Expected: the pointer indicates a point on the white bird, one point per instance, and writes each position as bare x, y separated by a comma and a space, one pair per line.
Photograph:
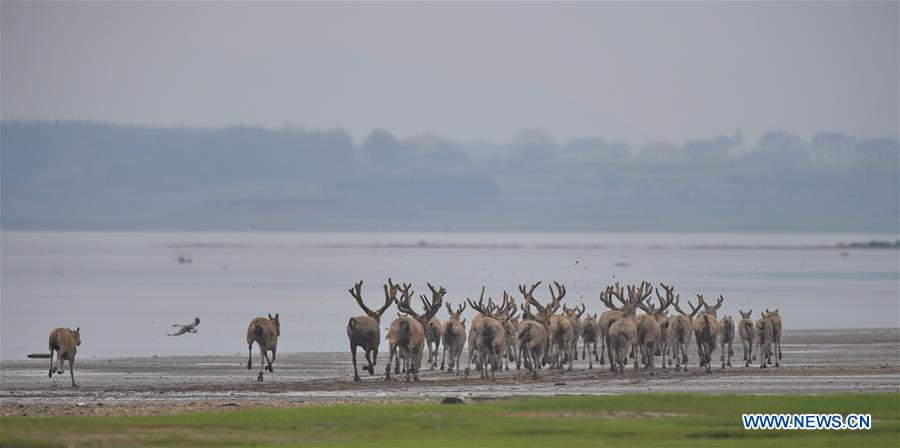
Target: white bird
189, 328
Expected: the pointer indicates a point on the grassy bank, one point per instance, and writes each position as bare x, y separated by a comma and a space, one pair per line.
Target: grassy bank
643, 420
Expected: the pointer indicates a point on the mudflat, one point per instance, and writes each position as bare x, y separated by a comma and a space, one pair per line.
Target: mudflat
815, 362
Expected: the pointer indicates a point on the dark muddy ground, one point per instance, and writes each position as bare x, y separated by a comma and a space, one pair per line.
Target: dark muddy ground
815, 361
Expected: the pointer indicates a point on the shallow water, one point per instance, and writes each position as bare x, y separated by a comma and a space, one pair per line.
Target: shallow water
126, 289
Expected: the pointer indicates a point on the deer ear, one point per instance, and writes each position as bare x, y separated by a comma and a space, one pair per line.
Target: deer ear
276, 316
270, 315
78, 330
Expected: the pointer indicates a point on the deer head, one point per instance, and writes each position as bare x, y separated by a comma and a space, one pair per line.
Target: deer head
277, 323
458, 313
711, 309
746, 315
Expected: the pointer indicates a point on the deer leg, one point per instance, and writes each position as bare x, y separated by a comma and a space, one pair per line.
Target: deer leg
250, 356
51, 363
262, 361
353, 355
370, 366
387, 371
72, 370
59, 363
272, 361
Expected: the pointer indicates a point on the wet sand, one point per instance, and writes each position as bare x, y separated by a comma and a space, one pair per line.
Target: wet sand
815, 362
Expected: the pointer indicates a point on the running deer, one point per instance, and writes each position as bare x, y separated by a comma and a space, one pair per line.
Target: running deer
454, 337
776, 324
511, 325
562, 334
623, 332
765, 336
649, 330
666, 325
433, 335
706, 331
65, 343
590, 334
745, 329
265, 333
407, 333
726, 330
681, 330
534, 338
608, 317
490, 338
574, 316
364, 331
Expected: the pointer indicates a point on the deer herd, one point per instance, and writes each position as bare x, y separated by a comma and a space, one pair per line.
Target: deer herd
543, 335
537, 336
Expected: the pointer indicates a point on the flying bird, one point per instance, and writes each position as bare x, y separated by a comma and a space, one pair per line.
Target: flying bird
189, 328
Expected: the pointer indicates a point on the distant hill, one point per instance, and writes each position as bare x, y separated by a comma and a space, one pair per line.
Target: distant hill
82, 175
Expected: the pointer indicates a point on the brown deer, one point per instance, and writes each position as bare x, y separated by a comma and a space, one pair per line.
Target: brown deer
745, 329
706, 331
65, 343
265, 333
433, 335
574, 316
680, 332
608, 317
511, 326
590, 334
454, 337
534, 338
364, 331
665, 325
490, 338
561, 332
407, 333
765, 336
726, 334
649, 330
623, 332
776, 324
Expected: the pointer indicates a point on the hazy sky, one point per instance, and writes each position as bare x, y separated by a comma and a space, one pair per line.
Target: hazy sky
635, 72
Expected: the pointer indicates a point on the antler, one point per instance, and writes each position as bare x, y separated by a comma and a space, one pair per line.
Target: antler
606, 299
356, 292
719, 302
560, 293
390, 295
480, 307
403, 304
583, 309
617, 292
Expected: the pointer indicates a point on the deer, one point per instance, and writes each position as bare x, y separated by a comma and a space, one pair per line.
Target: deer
407, 333
776, 324
649, 330
534, 338
680, 331
364, 331
453, 334
562, 334
665, 325
590, 334
765, 336
264, 332
745, 329
64, 342
623, 332
706, 331
574, 316
511, 325
726, 336
490, 337
433, 336
608, 317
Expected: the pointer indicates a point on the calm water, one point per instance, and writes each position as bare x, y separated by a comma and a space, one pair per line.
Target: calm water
126, 289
